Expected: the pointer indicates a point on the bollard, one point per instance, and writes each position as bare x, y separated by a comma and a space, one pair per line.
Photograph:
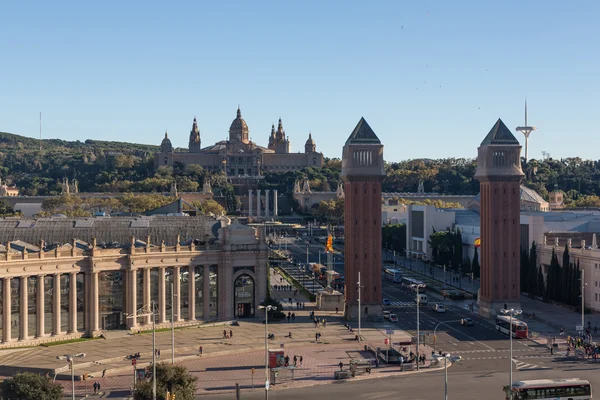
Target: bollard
237, 391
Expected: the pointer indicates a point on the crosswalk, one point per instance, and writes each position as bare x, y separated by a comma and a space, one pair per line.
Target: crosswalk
522, 365
413, 304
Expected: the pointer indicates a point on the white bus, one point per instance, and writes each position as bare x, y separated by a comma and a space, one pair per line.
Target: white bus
551, 389
413, 284
394, 275
519, 328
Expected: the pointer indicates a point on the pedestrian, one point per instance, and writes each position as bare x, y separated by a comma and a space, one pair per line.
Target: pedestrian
295, 360
200, 349
224, 333
300, 360
551, 350
341, 365
95, 388
158, 355
231, 333
104, 370
98, 387
293, 316
337, 310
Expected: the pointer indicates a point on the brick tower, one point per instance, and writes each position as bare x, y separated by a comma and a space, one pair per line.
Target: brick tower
499, 173
362, 172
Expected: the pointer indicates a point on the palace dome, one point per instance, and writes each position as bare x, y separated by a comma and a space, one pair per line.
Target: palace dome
165, 145
238, 131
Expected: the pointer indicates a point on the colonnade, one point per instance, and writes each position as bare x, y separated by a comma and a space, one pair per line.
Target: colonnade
259, 208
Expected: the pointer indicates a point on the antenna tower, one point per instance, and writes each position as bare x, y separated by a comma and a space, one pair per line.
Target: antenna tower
526, 130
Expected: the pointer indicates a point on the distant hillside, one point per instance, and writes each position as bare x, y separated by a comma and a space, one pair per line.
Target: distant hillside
10, 142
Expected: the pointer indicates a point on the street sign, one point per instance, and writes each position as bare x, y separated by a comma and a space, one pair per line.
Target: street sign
133, 361
267, 385
579, 327
389, 331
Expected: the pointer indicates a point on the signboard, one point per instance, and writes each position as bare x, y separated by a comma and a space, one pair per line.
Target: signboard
140, 374
579, 327
133, 361
389, 331
267, 385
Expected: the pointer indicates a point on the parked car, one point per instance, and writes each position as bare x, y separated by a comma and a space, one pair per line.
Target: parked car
439, 308
386, 314
386, 302
466, 322
393, 318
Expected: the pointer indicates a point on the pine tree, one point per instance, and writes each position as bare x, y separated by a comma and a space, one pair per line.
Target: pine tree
541, 290
475, 264
577, 291
524, 271
564, 276
533, 268
569, 283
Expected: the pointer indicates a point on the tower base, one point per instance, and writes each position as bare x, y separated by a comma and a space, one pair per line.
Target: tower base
490, 309
367, 310
330, 301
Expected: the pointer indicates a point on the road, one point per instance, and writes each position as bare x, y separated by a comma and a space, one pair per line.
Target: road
485, 352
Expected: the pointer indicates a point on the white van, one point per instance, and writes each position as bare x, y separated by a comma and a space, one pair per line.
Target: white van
422, 298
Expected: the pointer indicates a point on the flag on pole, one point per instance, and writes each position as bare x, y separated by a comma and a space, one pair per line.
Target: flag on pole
329, 244
477, 242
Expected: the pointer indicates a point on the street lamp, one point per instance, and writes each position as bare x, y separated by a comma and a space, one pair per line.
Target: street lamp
446, 357
146, 310
512, 312
267, 309
417, 287
70, 359
435, 330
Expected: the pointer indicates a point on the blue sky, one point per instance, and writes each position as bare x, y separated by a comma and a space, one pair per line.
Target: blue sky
430, 77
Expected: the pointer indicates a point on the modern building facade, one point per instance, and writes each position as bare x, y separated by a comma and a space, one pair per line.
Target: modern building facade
362, 173
216, 271
239, 156
499, 173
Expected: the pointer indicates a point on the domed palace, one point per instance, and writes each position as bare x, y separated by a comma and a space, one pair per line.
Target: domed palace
239, 156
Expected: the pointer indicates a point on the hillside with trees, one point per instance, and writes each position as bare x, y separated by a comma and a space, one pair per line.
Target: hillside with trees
103, 166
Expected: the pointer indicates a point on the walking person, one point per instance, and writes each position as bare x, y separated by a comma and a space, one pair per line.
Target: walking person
224, 333
341, 365
200, 350
231, 334
103, 373
300, 360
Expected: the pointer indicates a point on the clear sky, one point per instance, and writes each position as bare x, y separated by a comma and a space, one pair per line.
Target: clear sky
430, 77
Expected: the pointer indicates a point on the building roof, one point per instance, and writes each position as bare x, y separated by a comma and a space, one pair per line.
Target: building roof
109, 229
500, 134
363, 134
528, 194
238, 128
466, 217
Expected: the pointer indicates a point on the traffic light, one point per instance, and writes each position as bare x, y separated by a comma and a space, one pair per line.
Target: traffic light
168, 396
85, 376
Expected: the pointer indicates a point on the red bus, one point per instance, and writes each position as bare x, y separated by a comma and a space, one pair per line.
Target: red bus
519, 328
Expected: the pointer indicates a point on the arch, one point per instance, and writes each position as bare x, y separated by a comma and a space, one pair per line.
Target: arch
244, 295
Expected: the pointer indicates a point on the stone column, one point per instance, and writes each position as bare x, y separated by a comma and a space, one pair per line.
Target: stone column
147, 296
176, 307
6, 317
267, 193
191, 293
132, 299
162, 311
24, 311
206, 292
258, 203
250, 202
275, 212
56, 306
94, 304
39, 307
73, 302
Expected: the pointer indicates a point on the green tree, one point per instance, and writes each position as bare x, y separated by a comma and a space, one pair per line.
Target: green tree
172, 378
6, 210
533, 269
211, 206
28, 386
541, 287
475, 264
393, 237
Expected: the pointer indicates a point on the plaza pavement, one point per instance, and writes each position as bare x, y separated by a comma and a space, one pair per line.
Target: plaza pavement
224, 362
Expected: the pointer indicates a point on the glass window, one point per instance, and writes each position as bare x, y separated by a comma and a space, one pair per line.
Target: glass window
154, 291
80, 283
184, 290
199, 288
48, 308
213, 297
32, 305
110, 299
64, 302
15, 301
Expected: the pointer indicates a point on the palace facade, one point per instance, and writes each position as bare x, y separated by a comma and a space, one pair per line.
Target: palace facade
52, 288
238, 156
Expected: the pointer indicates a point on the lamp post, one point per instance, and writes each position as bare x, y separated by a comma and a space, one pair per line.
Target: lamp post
173, 322
446, 357
267, 309
71, 360
512, 312
146, 310
435, 330
417, 287
358, 287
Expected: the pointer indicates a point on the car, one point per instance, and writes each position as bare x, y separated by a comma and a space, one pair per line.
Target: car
386, 302
439, 308
386, 314
466, 322
393, 318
